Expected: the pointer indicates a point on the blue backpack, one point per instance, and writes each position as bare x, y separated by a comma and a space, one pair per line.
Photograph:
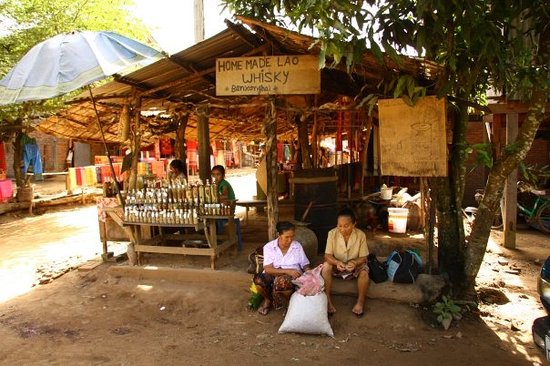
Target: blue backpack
403, 266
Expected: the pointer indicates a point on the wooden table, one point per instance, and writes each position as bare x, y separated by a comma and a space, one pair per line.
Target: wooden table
205, 231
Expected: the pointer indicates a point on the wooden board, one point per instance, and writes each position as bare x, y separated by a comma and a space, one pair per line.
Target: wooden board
268, 75
261, 175
413, 140
89, 265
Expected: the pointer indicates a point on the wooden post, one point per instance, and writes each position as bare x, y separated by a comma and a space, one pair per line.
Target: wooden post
199, 20
509, 214
270, 128
423, 199
431, 201
314, 138
203, 132
136, 143
303, 140
376, 152
365, 153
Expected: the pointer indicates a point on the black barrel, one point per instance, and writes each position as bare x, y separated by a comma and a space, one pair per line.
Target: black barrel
316, 189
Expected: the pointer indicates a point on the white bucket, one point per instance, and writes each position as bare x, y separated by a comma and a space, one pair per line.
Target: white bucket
386, 193
397, 220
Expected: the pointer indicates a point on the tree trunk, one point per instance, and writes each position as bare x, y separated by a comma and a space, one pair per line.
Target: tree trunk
181, 151
450, 256
17, 156
449, 193
477, 242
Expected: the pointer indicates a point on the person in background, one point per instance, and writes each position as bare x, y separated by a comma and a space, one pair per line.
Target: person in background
297, 156
70, 156
226, 195
284, 261
346, 257
323, 157
225, 191
177, 170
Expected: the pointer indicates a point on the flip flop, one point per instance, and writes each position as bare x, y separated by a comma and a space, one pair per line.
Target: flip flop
331, 313
359, 315
264, 310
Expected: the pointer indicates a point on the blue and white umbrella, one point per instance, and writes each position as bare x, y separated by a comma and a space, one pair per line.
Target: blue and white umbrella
67, 62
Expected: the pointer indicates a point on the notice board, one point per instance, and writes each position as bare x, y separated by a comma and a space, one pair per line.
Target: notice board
268, 75
413, 139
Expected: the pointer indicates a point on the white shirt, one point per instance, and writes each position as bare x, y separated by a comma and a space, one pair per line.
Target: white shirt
295, 257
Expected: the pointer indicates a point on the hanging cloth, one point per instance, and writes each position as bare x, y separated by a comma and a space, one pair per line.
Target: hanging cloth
31, 156
3, 165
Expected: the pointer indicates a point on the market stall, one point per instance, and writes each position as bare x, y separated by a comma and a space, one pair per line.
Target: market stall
177, 217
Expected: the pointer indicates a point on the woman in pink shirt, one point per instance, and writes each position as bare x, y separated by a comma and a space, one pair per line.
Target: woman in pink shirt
284, 261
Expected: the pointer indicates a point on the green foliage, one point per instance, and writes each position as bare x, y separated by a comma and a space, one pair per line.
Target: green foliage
28, 22
446, 311
32, 21
537, 175
477, 42
255, 301
484, 153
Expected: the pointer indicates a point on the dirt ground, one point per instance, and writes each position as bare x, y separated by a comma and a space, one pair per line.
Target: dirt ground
92, 318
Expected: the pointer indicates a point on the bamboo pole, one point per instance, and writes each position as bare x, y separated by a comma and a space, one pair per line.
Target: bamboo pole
270, 128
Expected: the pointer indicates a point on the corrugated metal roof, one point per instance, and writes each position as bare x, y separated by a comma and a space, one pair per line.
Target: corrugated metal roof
184, 80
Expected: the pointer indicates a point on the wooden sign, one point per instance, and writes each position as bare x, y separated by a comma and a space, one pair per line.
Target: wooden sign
268, 75
413, 139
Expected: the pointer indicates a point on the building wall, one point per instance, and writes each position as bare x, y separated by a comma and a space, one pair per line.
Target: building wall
53, 151
476, 178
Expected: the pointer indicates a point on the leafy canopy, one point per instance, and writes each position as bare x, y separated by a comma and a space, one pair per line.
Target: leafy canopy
479, 43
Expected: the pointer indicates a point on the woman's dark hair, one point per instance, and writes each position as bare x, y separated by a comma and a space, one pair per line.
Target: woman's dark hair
219, 168
346, 212
283, 226
178, 165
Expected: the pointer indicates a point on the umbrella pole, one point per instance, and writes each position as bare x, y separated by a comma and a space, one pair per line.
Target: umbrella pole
119, 195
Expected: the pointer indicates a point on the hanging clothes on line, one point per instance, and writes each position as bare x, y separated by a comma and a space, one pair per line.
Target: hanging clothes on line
31, 156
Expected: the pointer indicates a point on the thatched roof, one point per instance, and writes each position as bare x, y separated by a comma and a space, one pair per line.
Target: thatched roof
177, 84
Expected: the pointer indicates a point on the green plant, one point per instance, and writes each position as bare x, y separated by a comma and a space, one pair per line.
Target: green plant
255, 298
446, 311
535, 174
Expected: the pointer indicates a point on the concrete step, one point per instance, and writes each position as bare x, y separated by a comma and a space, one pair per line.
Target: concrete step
426, 289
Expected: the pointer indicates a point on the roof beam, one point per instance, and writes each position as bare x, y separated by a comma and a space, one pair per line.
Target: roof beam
246, 36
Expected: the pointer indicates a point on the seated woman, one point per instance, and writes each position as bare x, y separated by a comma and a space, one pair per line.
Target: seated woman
177, 170
346, 257
226, 194
284, 261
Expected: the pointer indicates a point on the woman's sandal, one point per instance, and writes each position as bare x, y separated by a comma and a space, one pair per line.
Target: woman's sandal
264, 310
